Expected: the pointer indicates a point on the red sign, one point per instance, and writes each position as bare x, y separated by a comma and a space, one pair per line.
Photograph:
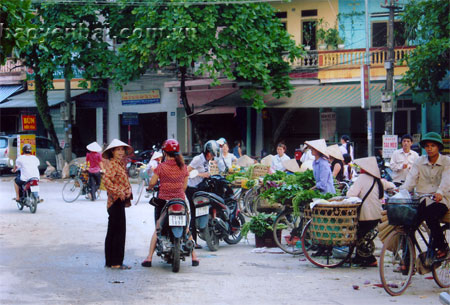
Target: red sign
28, 122
366, 82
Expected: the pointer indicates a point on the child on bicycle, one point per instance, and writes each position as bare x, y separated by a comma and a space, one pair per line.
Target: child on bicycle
370, 188
430, 173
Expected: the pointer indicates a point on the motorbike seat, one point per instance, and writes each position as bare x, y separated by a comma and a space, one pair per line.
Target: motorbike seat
212, 196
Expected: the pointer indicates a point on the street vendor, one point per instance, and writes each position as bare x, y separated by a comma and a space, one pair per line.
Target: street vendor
277, 161
430, 174
370, 188
321, 167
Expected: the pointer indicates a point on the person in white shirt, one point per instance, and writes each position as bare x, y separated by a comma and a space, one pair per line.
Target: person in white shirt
154, 162
225, 160
346, 147
402, 160
277, 161
28, 166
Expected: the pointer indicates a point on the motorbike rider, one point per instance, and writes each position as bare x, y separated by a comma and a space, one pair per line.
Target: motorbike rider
201, 164
173, 176
28, 166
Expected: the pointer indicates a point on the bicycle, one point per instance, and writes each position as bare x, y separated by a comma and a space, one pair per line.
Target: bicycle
398, 256
143, 182
78, 185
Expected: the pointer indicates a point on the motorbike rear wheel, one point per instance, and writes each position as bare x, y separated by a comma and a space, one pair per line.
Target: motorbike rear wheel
212, 240
33, 204
176, 255
236, 236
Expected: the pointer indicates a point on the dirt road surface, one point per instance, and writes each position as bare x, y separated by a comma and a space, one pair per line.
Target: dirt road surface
56, 256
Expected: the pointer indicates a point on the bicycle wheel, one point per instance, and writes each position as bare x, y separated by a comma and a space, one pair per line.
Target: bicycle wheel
322, 255
251, 202
397, 263
289, 228
441, 268
72, 190
139, 192
248, 197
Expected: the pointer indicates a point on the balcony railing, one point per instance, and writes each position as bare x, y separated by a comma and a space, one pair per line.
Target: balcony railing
12, 67
310, 61
355, 57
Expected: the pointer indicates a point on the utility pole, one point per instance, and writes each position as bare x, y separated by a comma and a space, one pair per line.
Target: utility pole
366, 97
68, 122
388, 97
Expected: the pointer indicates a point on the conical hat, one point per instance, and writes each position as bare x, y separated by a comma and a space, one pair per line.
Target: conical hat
267, 160
245, 161
369, 165
319, 145
291, 165
335, 152
94, 146
306, 165
117, 143
156, 155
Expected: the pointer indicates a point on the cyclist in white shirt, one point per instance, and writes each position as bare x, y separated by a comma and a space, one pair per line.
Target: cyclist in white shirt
28, 166
402, 160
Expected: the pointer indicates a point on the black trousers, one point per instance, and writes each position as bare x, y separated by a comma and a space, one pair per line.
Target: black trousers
115, 237
189, 194
431, 214
364, 227
94, 183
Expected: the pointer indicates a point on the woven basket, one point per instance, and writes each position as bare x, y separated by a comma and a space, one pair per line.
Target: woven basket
260, 170
334, 225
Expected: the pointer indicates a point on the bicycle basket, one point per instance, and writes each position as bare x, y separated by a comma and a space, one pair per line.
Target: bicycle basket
402, 212
334, 224
73, 170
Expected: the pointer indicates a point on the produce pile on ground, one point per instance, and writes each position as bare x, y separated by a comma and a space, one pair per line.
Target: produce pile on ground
281, 187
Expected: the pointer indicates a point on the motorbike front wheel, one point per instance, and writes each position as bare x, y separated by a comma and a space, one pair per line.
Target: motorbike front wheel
236, 236
212, 240
20, 206
33, 204
176, 255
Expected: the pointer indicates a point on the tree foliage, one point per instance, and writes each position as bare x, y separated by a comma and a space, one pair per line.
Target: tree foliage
13, 14
427, 23
243, 42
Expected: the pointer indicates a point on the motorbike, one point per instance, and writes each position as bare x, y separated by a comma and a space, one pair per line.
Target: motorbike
172, 242
29, 195
217, 213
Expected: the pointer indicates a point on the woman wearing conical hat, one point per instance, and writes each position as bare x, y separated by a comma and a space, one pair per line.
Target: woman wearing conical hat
321, 167
119, 196
95, 161
337, 164
370, 188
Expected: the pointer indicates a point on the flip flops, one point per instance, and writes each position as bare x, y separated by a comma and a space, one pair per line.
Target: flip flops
195, 263
121, 267
147, 264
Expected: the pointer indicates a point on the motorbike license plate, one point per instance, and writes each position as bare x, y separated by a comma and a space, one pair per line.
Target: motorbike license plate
201, 211
177, 220
34, 188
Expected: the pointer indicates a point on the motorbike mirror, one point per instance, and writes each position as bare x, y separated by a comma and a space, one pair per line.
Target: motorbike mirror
193, 173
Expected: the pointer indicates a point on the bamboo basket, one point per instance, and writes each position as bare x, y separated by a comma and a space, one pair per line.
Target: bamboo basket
334, 225
213, 168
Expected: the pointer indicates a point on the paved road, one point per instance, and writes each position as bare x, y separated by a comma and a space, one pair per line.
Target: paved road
56, 257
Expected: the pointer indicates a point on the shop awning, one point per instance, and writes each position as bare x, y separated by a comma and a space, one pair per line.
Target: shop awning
325, 96
7, 91
27, 99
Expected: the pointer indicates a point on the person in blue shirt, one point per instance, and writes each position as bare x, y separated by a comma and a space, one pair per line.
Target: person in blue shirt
321, 167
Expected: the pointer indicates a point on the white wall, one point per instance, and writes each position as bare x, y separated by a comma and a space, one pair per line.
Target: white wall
169, 103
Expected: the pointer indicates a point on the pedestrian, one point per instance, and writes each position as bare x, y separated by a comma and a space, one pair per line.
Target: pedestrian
402, 160
154, 162
173, 177
237, 151
430, 174
201, 164
277, 161
225, 160
119, 197
95, 168
337, 164
346, 147
369, 187
321, 167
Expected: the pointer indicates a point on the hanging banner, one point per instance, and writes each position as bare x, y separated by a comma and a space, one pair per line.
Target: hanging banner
26, 139
390, 144
29, 122
328, 125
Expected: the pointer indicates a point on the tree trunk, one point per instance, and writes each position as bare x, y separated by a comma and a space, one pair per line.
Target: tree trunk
44, 112
187, 107
284, 121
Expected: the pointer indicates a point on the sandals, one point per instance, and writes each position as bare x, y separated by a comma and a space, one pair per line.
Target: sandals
147, 264
195, 263
121, 267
